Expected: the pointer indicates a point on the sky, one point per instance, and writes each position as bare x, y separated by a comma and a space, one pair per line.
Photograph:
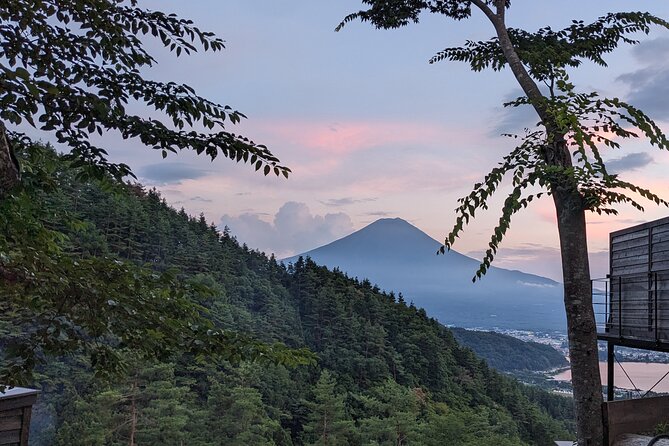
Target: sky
370, 129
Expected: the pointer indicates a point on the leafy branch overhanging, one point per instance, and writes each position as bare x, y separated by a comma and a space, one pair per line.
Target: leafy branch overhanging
77, 69
588, 122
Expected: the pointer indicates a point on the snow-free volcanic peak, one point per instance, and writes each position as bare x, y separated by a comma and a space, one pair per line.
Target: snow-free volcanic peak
399, 257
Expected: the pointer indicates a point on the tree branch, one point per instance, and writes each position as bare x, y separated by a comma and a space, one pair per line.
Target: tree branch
519, 71
559, 154
485, 9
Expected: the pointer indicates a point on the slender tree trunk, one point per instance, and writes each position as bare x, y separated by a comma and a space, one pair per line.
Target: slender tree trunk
9, 169
10, 177
325, 429
581, 328
133, 413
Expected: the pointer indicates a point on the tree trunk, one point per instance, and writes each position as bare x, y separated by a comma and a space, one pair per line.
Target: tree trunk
581, 327
133, 413
9, 168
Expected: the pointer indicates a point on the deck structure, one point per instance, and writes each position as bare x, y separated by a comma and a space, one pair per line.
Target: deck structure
632, 310
15, 412
632, 303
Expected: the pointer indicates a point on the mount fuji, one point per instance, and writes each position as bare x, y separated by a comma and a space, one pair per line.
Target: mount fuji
401, 258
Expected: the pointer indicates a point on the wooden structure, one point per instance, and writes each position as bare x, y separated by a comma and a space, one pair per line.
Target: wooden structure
639, 281
15, 411
632, 310
632, 304
634, 416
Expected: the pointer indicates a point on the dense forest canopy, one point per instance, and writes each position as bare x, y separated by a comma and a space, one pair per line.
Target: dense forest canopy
67, 290
385, 371
77, 70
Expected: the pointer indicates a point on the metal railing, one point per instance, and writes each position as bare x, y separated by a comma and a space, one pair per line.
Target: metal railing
601, 295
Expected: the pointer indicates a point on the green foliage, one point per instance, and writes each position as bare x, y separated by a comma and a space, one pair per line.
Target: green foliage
586, 122
239, 417
393, 365
60, 298
74, 68
327, 423
546, 51
163, 405
389, 14
661, 428
392, 413
96, 429
152, 407
467, 428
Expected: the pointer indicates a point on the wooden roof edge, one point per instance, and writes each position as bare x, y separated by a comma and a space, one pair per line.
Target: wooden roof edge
640, 227
17, 392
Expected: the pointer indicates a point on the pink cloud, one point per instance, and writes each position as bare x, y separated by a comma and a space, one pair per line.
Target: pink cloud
436, 175
344, 137
545, 209
371, 149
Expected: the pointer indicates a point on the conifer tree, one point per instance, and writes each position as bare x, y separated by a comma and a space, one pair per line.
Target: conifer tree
238, 417
394, 419
159, 407
328, 423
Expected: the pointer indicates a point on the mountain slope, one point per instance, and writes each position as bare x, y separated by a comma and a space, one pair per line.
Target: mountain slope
400, 257
381, 362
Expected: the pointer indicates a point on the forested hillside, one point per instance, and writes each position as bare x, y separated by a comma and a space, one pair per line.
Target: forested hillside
386, 372
507, 353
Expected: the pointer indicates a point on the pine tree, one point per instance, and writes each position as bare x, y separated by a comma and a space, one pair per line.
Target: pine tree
163, 412
328, 424
238, 417
394, 411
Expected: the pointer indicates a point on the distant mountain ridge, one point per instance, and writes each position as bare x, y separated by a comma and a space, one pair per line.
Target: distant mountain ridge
399, 257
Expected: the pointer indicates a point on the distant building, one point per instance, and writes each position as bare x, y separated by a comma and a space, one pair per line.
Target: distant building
15, 412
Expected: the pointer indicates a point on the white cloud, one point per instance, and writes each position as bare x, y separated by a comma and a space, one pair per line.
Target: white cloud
293, 230
536, 285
